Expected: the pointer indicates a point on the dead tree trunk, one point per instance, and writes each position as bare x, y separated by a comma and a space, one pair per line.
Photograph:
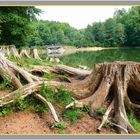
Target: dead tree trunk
34, 54
114, 85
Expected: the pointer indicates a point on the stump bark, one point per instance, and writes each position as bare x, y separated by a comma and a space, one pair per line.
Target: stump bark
34, 54
115, 85
24, 53
13, 51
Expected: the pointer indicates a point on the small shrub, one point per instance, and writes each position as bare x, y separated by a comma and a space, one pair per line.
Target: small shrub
100, 111
4, 111
72, 114
61, 125
86, 108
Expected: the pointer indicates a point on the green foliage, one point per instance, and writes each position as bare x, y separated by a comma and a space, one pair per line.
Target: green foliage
6, 110
29, 103
72, 114
49, 76
14, 25
107, 124
134, 122
36, 62
37, 106
26, 62
18, 26
60, 98
63, 97
100, 111
60, 125
6, 82
86, 108
22, 104
51, 32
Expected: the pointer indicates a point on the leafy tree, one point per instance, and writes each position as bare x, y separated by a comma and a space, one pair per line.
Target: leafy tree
14, 24
132, 27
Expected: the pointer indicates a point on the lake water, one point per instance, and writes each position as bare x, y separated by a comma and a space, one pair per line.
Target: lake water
93, 57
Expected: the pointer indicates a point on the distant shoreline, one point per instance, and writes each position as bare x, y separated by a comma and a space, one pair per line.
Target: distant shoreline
70, 50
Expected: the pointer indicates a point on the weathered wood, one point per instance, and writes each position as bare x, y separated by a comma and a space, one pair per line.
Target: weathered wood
13, 51
23, 52
34, 54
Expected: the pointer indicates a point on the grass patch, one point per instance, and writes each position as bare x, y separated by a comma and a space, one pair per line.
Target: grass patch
134, 122
72, 114
60, 98
61, 126
29, 103
6, 82
63, 97
49, 76
100, 111
29, 62
86, 108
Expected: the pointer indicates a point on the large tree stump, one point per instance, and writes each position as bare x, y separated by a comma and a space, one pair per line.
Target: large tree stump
115, 85
120, 83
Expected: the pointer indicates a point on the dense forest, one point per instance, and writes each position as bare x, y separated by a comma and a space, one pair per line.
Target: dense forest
19, 26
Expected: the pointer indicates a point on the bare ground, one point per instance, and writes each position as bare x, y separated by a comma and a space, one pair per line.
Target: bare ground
25, 122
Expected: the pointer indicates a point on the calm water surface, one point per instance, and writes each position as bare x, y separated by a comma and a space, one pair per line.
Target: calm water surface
93, 57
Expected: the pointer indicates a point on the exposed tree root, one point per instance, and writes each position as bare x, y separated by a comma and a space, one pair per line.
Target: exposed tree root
105, 116
38, 96
116, 83
72, 71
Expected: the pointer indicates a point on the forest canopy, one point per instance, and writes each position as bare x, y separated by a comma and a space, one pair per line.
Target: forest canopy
19, 26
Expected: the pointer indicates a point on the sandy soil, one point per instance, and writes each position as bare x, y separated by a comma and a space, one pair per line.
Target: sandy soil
69, 50
25, 122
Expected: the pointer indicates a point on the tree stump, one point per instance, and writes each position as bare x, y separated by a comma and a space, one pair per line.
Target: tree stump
34, 54
13, 51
